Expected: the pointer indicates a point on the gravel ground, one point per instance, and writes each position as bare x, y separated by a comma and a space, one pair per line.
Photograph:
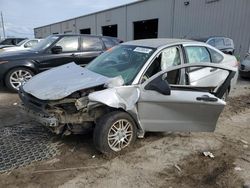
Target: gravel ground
158, 160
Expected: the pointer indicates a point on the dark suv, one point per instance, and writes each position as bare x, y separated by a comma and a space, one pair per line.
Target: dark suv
55, 50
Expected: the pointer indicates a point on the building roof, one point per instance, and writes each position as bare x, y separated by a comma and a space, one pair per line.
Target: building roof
156, 43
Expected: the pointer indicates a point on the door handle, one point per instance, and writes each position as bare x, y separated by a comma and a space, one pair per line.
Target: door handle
213, 69
75, 55
207, 98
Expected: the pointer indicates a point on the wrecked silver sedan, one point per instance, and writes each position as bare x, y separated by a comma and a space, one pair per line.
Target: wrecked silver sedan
136, 87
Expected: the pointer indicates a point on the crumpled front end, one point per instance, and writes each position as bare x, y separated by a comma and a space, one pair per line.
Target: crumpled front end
80, 110
60, 116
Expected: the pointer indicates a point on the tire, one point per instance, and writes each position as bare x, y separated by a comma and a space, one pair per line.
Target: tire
107, 133
16, 76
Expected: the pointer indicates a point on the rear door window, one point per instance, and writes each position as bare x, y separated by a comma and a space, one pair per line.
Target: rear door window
92, 44
197, 54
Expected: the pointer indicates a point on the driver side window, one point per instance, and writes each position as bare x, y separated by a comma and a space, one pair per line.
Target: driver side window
166, 58
69, 44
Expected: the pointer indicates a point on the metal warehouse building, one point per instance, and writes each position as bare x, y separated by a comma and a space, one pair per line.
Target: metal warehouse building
164, 18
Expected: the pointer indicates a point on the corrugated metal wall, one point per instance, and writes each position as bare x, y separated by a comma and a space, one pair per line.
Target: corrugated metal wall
223, 17
151, 9
200, 18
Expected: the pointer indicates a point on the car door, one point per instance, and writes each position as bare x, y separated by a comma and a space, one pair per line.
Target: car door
91, 48
180, 107
70, 47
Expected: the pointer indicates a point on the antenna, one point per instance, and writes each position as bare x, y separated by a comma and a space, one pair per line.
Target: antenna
3, 25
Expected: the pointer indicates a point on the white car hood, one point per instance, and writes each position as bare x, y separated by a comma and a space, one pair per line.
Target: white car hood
13, 48
60, 82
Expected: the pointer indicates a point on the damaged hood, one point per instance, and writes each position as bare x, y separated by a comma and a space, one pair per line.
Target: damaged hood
60, 82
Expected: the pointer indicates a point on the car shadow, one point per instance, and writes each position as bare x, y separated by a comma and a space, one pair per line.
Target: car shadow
5, 90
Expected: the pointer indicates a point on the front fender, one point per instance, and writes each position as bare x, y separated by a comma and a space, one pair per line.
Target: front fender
124, 97
6, 67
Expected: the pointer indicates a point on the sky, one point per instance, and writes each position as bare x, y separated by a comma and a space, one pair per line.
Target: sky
22, 16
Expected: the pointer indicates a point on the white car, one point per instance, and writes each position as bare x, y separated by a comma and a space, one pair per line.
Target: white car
23, 45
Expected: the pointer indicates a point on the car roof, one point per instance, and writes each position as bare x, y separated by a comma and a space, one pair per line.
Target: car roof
62, 35
204, 39
201, 39
156, 43
12, 38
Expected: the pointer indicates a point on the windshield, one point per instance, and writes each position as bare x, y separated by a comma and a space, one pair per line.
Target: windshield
123, 60
45, 43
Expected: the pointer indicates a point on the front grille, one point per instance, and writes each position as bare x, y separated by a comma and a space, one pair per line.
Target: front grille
32, 102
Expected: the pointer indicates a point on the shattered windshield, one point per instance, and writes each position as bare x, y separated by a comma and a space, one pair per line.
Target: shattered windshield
123, 60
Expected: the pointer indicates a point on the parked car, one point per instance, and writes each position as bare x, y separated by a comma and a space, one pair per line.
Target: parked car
224, 44
133, 88
10, 41
244, 68
55, 50
23, 45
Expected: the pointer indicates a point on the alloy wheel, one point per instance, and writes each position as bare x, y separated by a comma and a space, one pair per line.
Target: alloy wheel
18, 77
120, 135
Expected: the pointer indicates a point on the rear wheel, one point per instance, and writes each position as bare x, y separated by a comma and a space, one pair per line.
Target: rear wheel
15, 77
114, 133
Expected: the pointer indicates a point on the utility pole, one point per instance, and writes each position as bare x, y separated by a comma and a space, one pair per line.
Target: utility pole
3, 25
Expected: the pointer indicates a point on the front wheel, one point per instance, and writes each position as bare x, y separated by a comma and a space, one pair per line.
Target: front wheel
15, 77
114, 133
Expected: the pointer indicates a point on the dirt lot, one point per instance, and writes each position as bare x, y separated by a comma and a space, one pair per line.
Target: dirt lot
159, 160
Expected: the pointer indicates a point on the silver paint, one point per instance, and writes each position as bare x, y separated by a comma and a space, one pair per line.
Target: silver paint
124, 97
60, 82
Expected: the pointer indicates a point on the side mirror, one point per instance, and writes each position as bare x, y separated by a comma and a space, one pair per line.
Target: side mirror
56, 49
160, 85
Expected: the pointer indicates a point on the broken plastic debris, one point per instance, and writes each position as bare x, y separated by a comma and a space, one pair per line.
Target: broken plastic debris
72, 150
208, 154
177, 167
244, 142
93, 156
238, 168
245, 146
